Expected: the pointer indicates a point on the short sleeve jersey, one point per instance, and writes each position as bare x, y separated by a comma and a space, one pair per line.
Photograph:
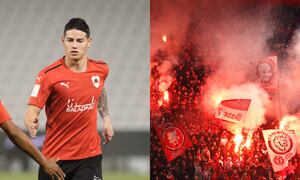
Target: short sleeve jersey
70, 101
4, 116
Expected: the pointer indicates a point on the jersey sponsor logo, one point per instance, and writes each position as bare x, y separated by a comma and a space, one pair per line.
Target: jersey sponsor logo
73, 106
96, 81
35, 90
66, 84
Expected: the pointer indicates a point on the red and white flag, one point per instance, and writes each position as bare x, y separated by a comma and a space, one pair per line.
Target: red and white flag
281, 146
267, 74
174, 139
233, 110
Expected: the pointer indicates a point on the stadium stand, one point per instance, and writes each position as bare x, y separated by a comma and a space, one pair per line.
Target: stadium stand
30, 39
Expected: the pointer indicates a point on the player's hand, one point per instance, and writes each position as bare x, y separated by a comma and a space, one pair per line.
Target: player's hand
53, 170
32, 125
108, 131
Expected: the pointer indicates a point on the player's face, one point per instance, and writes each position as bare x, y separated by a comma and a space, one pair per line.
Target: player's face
75, 44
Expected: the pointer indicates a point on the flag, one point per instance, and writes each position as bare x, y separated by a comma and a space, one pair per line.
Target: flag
267, 75
233, 110
281, 146
174, 139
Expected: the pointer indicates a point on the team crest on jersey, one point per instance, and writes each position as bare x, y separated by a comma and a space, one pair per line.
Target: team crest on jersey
96, 81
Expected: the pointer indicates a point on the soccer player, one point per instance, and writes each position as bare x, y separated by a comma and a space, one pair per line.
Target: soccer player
71, 89
18, 137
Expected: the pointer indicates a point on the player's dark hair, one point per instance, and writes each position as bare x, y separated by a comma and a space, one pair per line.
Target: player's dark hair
79, 24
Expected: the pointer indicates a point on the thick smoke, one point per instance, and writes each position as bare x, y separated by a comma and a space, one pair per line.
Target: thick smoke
290, 77
256, 112
225, 42
229, 38
238, 40
165, 78
235, 38
290, 88
172, 20
292, 123
168, 23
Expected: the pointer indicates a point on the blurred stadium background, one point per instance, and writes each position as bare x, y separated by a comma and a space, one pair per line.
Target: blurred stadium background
30, 39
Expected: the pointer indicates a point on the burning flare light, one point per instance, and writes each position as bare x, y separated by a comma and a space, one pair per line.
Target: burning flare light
166, 96
164, 99
164, 38
248, 141
217, 98
238, 140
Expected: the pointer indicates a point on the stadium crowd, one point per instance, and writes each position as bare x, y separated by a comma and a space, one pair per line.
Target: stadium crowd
212, 156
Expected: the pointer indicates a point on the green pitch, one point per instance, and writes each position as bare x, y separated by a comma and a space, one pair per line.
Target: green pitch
107, 176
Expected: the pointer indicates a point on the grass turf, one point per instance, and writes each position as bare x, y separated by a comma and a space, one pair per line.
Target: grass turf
107, 176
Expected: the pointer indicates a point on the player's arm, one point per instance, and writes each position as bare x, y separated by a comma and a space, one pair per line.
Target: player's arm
19, 138
108, 131
31, 119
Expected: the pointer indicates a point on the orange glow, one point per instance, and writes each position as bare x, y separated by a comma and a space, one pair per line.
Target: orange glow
238, 140
164, 99
287, 121
217, 98
160, 102
248, 141
166, 96
164, 38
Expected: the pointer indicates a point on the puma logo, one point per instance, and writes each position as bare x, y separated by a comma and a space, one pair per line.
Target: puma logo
65, 84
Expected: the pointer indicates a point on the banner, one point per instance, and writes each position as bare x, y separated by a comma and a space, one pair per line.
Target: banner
281, 146
233, 110
174, 139
266, 70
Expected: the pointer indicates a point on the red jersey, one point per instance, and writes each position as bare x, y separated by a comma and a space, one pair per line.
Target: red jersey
4, 116
70, 101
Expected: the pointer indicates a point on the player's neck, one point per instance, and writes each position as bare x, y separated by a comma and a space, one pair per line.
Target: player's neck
77, 65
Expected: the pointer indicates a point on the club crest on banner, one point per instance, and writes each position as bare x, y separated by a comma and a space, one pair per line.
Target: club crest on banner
96, 81
278, 160
280, 142
281, 146
173, 138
